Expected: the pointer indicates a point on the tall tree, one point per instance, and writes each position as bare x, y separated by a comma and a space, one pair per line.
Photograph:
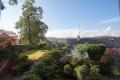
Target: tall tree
32, 29
11, 2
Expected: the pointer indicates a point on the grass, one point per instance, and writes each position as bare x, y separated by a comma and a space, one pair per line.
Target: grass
34, 54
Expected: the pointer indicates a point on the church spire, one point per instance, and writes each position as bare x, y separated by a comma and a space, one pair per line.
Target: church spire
78, 37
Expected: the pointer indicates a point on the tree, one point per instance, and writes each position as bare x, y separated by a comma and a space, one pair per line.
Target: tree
32, 29
11, 2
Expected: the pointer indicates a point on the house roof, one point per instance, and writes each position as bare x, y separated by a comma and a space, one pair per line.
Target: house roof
109, 42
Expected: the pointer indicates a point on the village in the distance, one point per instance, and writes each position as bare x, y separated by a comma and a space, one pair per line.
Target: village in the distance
33, 50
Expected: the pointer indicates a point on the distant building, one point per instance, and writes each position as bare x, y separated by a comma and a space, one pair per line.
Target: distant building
112, 44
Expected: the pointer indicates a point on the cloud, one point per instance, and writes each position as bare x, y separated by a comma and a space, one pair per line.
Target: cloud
63, 33
112, 20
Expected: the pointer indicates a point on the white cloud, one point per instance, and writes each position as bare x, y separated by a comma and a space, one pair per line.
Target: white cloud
62, 33
112, 20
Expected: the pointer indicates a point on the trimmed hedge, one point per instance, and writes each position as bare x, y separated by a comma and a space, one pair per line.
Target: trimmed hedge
23, 48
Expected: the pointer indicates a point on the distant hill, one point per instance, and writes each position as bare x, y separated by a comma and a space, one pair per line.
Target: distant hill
109, 41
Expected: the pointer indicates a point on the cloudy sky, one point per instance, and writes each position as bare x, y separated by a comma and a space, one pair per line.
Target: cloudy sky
68, 18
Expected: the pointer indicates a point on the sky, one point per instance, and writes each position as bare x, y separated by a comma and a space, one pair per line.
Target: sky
68, 18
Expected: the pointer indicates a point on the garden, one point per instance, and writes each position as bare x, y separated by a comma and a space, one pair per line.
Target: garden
36, 63
31, 56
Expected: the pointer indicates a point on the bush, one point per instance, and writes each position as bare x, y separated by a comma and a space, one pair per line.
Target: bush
29, 77
68, 70
21, 65
116, 67
23, 48
48, 65
43, 70
75, 62
79, 61
106, 69
95, 51
82, 72
7, 51
97, 77
81, 50
95, 69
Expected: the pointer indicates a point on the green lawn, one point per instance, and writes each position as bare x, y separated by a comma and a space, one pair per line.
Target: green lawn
34, 54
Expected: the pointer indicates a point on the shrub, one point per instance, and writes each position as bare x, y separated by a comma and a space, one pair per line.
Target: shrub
97, 77
79, 61
68, 70
81, 50
116, 67
55, 55
43, 70
82, 72
95, 69
47, 66
29, 77
95, 51
21, 65
106, 69
75, 62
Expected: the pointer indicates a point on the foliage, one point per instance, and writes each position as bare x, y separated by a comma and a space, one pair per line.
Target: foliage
81, 48
44, 46
116, 67
76, 62
3, 51
95, 69
13, 2
79, 61
82, 72
95, 51
32, 29
7, 51
21, 64
68, 69
2, 5
97, 77
27, 48
43, 70
106, 66
47, 66
29, 77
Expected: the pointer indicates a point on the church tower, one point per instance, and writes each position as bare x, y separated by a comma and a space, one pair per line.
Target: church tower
78, 37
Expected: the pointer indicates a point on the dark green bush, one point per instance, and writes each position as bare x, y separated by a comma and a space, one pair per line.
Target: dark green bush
95, 51
23, 48
68, 69
43, 70
48, 65
20, 65
79, 61
29, 77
